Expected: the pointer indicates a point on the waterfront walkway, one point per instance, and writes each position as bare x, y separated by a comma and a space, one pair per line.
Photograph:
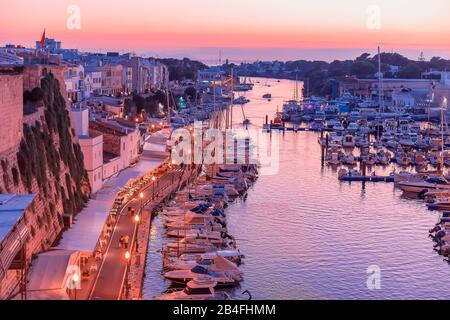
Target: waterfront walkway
111, 282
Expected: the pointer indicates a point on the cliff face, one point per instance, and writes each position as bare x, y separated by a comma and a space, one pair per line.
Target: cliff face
48, 162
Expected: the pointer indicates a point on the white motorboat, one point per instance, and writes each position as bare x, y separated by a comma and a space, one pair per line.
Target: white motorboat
422, 186
210, 261
200, 288
223, 279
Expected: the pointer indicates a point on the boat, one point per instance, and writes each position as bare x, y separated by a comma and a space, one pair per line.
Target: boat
424, 186
333, 159
222, 279
349, 160
348, 141
356, 176
200, 288
241, 100
210, 261
267, 96
353, 127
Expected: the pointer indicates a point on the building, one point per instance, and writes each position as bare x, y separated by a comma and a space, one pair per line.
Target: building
142, 74
11, 108
49, 44
74, 79
15, 248
367, 87
91, 146
127, 79
10, 58
403, 98
93, 83
114, 106
111, 78
121, 144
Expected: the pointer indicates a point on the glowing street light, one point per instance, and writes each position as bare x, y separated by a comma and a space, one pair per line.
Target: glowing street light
153, 187
141, 195
75, 279
137, 218
127, 255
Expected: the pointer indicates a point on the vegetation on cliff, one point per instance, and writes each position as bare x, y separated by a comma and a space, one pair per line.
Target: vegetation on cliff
44, 148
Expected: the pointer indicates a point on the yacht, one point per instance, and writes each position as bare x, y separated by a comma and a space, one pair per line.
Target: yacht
424, 186
223, 279
200, 288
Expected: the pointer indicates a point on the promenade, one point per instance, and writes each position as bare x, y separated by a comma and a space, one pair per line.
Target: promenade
112, 279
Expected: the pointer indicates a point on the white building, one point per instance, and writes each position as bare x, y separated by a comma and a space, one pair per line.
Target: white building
74, 80
91, 146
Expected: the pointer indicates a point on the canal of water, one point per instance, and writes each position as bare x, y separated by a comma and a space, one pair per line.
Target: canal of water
306, 235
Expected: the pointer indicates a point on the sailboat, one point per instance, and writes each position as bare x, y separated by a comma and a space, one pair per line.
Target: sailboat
292, 108
438, 182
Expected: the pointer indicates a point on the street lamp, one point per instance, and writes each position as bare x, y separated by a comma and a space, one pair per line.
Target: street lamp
75, 279
153, 180
127, 272
137, 218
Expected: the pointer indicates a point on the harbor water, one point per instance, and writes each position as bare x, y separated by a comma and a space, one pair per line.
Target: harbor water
305, 235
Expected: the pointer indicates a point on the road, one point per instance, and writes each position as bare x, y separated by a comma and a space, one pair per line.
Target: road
113, 270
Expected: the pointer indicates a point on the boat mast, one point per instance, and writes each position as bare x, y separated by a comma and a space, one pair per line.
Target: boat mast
380, 83
232, 97
442, 136
168, 104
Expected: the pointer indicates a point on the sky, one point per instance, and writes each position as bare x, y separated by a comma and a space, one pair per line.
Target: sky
240, 29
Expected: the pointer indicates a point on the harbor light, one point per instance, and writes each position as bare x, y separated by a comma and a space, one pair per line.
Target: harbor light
127, 255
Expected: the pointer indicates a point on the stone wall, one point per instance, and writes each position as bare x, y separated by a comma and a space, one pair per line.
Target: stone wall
11, 111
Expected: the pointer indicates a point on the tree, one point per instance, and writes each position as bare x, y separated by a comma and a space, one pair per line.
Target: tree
411, 71
363, 69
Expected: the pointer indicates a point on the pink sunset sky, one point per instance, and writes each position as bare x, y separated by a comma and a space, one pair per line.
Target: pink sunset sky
167, 25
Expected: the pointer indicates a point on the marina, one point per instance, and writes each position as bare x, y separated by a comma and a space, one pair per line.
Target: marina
320, 234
